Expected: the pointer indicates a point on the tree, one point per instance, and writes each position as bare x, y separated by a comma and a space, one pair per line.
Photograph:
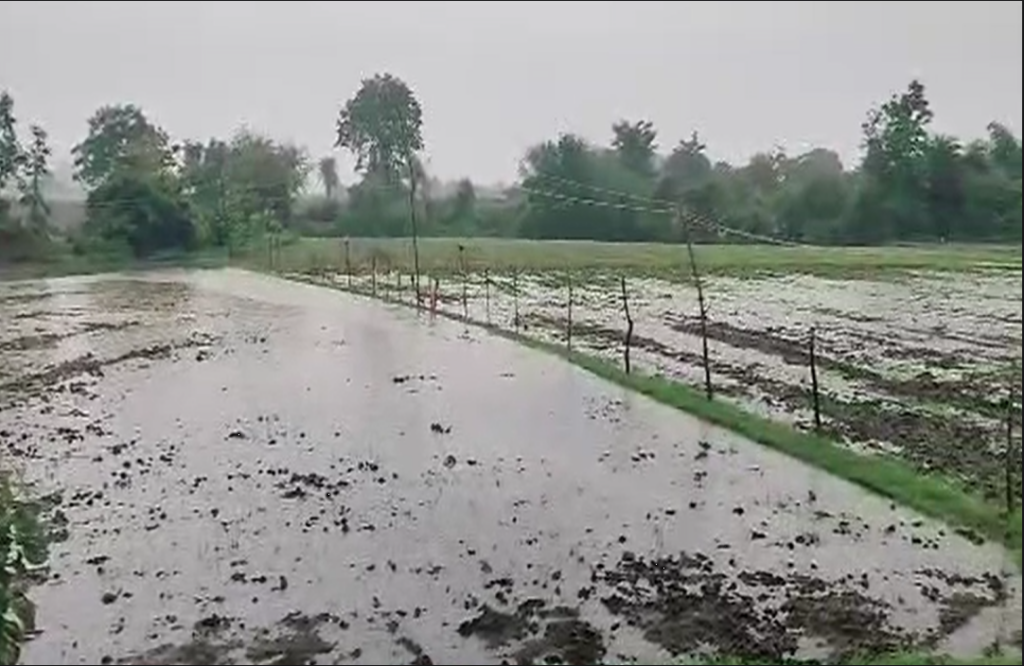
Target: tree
31, 187
687, 168
381, 125
896, 142
575, 191
140, 212
121, 141
635, 145
329, 176
264, 175
236, 189
11, 155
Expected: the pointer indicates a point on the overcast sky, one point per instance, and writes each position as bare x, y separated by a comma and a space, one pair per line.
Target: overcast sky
495, 77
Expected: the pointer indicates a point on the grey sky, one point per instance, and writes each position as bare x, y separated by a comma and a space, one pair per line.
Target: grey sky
495, 77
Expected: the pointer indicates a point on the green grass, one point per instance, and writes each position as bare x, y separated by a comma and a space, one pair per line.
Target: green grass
441, 255
908, 659
889, 477
66, 263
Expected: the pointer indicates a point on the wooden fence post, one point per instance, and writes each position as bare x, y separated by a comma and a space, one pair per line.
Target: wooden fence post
487, 295
703, 309
462, 269
815, 395
629, 325
348, 265
515, 298
568, 316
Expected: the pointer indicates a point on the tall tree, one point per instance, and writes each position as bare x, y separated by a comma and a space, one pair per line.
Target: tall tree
265, 175
382, 126
37, 169
686, 168
636, 144
329, 176
121, 141
11, 155
897, 143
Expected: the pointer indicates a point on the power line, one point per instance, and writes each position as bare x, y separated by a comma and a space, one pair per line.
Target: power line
684, 211
651, 205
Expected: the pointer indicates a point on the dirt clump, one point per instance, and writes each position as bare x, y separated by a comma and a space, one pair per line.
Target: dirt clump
541, 634
685, 605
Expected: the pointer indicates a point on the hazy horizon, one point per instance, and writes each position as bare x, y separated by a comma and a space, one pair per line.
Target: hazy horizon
497, 77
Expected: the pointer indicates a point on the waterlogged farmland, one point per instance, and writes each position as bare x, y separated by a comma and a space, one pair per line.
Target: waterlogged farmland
250, 470
917, 364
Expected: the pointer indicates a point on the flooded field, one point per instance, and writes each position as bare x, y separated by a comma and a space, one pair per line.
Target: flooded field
916, 364
250, 470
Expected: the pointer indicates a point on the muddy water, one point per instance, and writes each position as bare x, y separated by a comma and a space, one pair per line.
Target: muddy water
257, 471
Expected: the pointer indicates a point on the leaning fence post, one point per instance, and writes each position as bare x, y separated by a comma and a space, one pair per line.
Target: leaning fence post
462, 268
348, 264
568, 315
1010, 463
629, 325
814, 382
700, 301
515, 298
487, 295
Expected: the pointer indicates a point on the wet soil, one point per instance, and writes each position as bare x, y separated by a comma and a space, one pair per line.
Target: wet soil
266, 472
917, 366
922, 438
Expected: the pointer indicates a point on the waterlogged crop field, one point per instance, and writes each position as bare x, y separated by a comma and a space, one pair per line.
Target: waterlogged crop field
243, 469
917, 363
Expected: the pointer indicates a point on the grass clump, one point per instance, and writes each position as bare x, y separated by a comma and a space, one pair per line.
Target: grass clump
23, 549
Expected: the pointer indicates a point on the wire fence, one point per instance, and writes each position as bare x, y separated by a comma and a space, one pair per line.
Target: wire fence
616, 317
670, 327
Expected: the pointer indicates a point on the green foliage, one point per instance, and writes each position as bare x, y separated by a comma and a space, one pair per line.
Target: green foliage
635, 145
382, 126
23, 221
36, 167
142, 212
121, 141
11, 155
911, 186
24, 550
328, 168
563, 179
235, 188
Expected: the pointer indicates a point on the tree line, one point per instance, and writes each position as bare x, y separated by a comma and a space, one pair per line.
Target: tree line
147, 194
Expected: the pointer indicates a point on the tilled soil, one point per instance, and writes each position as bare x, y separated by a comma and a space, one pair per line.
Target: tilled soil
256, 471
919, 365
